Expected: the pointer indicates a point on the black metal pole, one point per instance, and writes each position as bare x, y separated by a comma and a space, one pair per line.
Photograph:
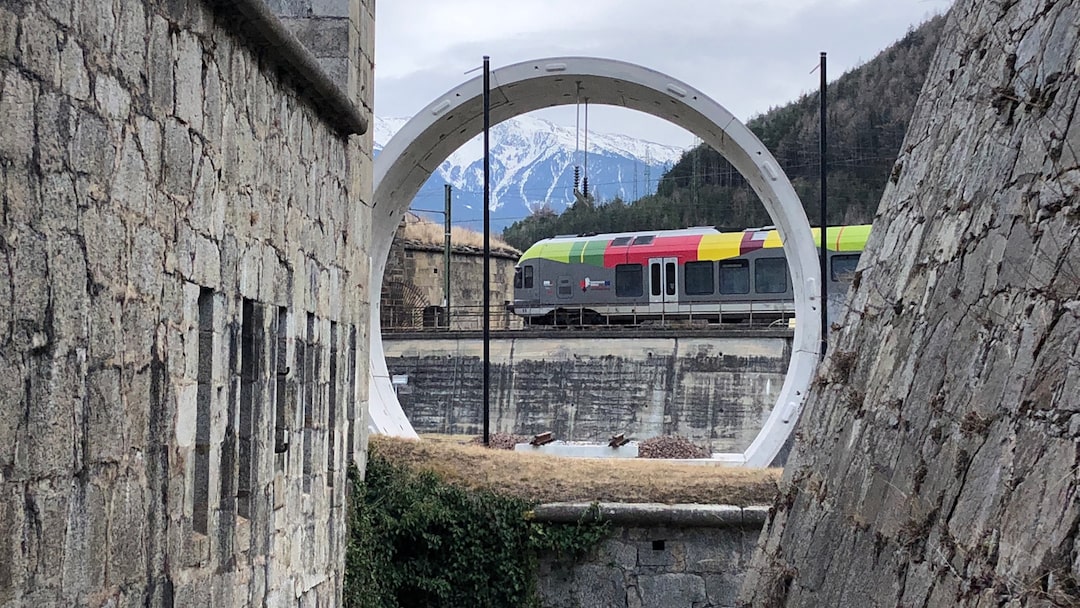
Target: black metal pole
487, 252
824, 207
446, 253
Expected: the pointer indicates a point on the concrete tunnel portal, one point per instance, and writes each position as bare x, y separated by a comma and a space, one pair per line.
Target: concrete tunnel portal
428, 139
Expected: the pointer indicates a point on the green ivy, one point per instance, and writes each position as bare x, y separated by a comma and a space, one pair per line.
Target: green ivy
416, 541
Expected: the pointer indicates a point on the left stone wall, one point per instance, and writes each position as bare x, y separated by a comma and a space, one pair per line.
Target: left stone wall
183, 311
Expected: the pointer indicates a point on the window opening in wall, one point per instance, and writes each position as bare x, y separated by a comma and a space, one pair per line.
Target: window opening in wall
434, 316
331, 427
251, 348
306, 361
350, 398
281, 375
658, 545
201, 494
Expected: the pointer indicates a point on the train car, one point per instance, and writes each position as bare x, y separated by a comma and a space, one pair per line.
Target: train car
693, 273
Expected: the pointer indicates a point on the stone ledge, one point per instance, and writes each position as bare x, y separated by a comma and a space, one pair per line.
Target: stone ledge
654, 514
255, 24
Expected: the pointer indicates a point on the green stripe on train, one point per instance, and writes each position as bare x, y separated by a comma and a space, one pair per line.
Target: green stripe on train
593, 254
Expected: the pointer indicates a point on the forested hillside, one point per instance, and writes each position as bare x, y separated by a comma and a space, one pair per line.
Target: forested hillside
869, 110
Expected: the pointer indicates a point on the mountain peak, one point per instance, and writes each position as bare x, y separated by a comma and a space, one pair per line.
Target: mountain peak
533, 163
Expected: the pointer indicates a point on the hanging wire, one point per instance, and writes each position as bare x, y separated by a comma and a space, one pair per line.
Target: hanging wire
577, 137
585, 179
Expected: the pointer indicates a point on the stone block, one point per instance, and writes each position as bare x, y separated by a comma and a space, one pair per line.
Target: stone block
9, 34
59, 207
127, 532
106, 251
672, 590
67, 292
30, 282
56, 122
16, 117
112, 98
178, 159
599, 586
130, 52
85, 542
330, 8
74, 80
46, 512
189, 79
649, 553
105, 423
96, 24
12, 409
147, 262
93, 150
38, 47
160, 67
723, 589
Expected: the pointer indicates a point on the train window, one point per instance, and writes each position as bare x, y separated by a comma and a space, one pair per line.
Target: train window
770, 275
517, 278
528, 277
698, 278
669, 278
843, 266
628, 281
619, 242
654, 276
735, 276
643, 240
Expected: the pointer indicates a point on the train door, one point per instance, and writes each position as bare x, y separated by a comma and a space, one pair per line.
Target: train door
663, 285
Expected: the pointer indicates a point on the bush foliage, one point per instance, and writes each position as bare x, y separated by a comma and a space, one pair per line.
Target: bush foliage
417, 541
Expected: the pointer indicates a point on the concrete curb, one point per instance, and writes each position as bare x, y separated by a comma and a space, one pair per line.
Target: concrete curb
653, 514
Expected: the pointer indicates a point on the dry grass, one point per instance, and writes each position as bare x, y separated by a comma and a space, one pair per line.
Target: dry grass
554, 479
431, 233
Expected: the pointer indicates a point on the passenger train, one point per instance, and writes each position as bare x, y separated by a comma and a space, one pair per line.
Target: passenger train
693, 273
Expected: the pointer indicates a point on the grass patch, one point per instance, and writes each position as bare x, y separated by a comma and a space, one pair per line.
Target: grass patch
538, 478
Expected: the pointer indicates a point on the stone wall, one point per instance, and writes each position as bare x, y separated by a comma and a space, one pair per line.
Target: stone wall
939, 450
691, 556
414, 282
183, 334
716, 389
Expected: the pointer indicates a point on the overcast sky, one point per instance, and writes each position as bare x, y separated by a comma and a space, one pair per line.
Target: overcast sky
748, 55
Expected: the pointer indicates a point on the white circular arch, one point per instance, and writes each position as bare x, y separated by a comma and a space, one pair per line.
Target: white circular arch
450, 121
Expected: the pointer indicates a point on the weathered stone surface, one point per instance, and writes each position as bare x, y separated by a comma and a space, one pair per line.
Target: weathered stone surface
938, 460
711, 390
672, 590
137, 288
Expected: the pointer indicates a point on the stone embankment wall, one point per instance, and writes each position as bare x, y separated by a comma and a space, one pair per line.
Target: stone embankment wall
715, 390
657, 555
939, 454
183, 308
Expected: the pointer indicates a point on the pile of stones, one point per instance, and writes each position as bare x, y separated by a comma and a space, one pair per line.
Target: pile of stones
671, 446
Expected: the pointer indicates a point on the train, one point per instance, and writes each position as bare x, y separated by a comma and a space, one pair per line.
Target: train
696, 273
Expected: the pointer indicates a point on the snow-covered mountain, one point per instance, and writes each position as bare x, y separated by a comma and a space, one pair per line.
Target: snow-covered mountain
532, 164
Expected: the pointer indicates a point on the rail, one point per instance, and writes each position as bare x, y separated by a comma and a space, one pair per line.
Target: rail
690, 316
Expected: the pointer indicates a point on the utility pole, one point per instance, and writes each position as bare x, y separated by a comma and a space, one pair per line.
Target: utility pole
446, 260
487, 251
824, 206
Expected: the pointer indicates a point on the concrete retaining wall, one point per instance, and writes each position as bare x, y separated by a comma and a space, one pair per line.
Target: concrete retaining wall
716, 389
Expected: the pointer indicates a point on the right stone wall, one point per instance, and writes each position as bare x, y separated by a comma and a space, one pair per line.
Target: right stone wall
937, 459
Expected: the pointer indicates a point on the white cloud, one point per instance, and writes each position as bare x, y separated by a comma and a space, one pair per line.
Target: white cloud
749, 55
